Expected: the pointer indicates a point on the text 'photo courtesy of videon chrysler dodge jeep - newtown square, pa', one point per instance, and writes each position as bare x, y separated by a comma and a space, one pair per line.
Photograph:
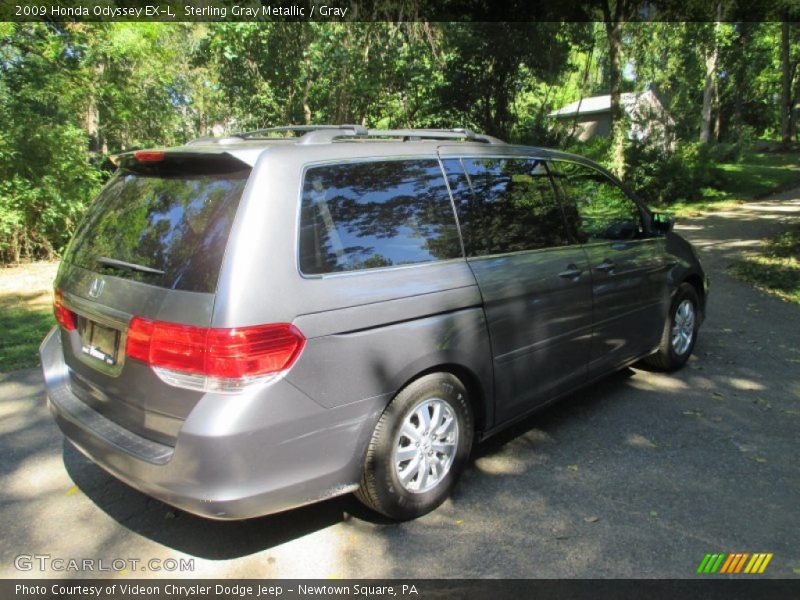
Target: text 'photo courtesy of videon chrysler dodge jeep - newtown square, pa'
252, 323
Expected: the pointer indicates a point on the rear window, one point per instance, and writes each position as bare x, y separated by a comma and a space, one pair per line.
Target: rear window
375, 214
173, 222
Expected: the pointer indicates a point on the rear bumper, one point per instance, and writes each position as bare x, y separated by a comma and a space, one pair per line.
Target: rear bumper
236, 456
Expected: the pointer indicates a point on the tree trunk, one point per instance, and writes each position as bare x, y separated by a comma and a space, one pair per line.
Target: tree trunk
342, 95
615, 71
708, 90
306, 106
717, 112
15, 246
501, 101
739, 81
613, 24
796, 107
93, 112
786, 86
584, 82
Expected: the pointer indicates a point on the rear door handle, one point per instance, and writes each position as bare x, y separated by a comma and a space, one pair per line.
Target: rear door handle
572, 272
606, 266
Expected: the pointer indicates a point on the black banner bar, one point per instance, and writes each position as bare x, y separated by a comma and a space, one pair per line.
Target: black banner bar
386, 589
388, 10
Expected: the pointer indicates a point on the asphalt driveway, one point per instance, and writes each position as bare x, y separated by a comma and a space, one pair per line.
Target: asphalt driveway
639, 476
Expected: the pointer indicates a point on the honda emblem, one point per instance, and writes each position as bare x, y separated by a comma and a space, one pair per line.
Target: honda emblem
97, 287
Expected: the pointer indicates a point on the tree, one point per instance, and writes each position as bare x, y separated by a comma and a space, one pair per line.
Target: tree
710, 87
614, 19
45, 176
69, 93
786, 86
484, 68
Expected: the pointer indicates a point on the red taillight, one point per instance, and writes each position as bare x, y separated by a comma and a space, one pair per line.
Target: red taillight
149, 155
139, 333
252, 350
64, 316
238, 353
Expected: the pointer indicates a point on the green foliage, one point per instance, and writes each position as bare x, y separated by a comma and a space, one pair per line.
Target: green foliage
384, 74
725, 153
487, 64
596, 149
71, 94
68, 94
661, 175
45, 175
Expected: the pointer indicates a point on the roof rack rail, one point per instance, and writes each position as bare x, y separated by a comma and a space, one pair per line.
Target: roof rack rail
455, 133
324, 134
329, 134
299, 128
264, 133
209, 139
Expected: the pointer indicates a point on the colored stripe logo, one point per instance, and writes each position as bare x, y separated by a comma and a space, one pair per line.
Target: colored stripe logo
734, 563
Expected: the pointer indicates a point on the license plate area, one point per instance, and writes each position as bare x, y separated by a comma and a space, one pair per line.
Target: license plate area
99, 342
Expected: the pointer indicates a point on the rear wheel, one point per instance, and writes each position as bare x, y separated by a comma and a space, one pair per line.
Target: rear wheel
419, 448
680, 331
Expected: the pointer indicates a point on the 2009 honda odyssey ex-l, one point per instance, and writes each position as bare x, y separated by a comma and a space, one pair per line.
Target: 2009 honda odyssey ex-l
253, 323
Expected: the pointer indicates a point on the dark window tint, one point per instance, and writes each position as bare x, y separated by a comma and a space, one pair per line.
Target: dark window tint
178, 224
505, 205
598, 209
375, 214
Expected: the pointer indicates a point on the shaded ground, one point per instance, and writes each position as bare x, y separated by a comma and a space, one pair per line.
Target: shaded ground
639, 476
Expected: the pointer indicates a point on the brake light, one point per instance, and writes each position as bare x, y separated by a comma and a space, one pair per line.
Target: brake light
149, 155
213, 359
64, 316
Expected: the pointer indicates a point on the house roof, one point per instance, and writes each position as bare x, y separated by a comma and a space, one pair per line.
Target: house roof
598, 104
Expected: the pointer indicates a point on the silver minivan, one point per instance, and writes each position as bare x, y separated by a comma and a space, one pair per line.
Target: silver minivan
253, 323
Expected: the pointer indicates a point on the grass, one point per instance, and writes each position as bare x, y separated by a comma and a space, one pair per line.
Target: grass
759, 174
26, 313
755, 175
776, 271
684, 209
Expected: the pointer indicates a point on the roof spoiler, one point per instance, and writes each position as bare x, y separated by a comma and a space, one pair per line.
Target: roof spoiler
171, 161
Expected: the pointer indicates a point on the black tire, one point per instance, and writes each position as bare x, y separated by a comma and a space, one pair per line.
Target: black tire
666, 358
381, 489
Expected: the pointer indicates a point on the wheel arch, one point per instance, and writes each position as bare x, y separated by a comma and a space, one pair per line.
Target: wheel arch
477, 397
696, 281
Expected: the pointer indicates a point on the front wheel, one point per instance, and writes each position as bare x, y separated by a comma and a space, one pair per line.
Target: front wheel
419, 448
680, 331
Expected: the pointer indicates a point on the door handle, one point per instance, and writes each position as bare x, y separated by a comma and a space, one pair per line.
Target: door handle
572, 272
606, 266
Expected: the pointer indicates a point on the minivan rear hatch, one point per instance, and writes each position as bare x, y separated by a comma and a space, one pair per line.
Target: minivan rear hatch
150, 246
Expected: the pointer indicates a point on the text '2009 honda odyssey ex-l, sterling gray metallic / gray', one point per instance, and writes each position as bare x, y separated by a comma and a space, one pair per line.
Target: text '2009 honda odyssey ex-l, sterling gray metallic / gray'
253, 323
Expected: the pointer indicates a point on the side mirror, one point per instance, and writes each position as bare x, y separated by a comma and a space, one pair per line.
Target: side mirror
662, 222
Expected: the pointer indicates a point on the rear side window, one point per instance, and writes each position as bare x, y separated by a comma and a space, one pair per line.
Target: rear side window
505, 205
375, 214
167, 221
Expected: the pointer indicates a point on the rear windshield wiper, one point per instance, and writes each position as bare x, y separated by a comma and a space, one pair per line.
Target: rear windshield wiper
121, 264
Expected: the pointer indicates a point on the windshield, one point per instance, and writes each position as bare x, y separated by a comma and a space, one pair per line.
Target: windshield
175, 225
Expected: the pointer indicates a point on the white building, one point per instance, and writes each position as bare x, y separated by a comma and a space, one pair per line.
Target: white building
592, 117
